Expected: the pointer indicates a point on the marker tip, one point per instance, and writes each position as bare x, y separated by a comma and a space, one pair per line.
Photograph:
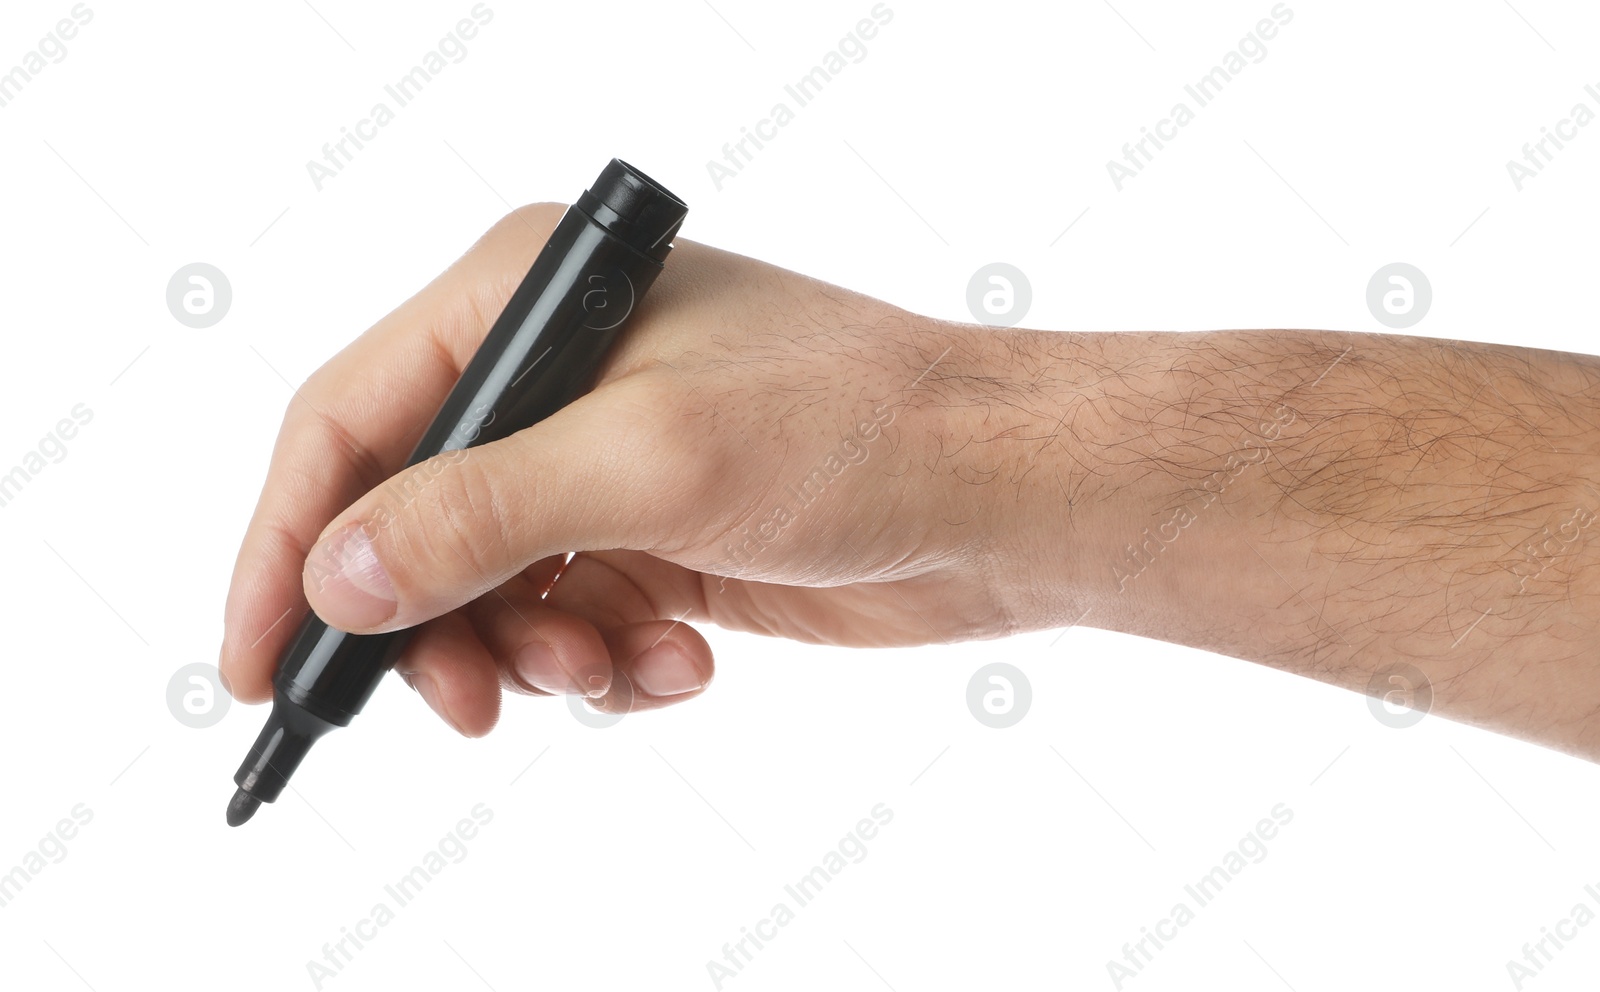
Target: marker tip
242, 808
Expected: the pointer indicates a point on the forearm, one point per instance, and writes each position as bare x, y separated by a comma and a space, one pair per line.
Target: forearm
1332, 504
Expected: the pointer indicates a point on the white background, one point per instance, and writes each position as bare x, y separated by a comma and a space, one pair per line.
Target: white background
626, 857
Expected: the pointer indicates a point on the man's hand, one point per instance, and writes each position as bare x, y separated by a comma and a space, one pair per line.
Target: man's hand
760, 452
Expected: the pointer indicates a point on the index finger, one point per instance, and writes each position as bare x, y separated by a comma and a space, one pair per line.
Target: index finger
351, 425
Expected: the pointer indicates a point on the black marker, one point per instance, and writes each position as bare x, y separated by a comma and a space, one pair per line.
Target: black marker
541, 354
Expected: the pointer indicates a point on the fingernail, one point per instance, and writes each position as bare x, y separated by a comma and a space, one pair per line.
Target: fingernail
355, 589
536, 664
666, 671
428, 688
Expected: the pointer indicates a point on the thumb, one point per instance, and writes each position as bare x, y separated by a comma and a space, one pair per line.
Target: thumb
599, 474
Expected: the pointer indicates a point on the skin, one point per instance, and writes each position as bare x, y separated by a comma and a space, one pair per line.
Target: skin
1331, 504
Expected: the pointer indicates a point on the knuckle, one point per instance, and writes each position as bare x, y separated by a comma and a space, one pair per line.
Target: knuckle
487, 273
688, 458
533, 221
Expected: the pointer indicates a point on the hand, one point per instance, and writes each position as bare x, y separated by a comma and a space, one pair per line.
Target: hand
762, 451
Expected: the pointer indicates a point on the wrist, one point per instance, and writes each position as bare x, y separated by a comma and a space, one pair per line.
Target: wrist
1015, 497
